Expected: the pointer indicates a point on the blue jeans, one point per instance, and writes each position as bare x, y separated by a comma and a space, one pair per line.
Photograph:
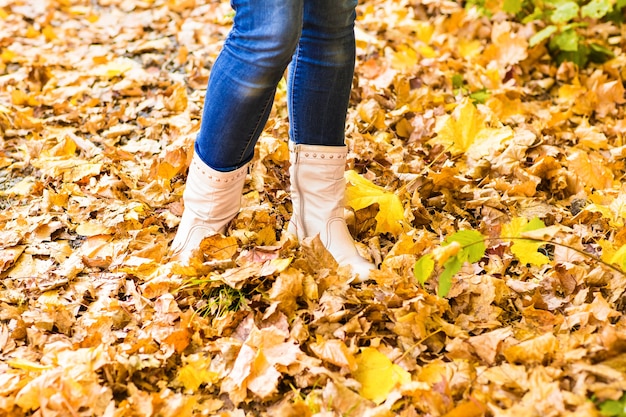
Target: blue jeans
315, 38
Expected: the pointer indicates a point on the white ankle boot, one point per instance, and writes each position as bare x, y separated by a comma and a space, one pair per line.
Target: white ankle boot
317, 195
212, 199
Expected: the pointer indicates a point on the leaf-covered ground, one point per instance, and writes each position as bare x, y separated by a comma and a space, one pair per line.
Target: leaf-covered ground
452, 112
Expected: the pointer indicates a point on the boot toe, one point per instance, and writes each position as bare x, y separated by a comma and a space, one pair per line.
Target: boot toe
182, 251
361, 270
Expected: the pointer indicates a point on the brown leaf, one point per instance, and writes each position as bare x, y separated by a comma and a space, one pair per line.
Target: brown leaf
535, 350
487, 345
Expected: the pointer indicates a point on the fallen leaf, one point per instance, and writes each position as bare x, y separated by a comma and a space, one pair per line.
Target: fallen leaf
377, 375
362, 193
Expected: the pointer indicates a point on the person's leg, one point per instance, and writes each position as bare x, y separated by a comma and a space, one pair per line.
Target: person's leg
319, 82
243, 80
320, 73
238, 101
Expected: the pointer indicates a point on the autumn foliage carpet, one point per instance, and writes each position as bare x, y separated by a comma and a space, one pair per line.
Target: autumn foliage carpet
455, 124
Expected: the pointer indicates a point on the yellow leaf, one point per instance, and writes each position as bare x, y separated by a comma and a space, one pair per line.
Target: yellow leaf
65, 148
472, 408
114, 68
9, 256
508, 47
26, 365
619, 257
404, 58
281, 264
49, 34
7, 55
424, 31
487, 141
404, 128
470, 48
426, 51
591, 136
605, 212
93, 18
377, 375
459, 131
21, 98
525, 250
196, 372
93, 229
363, 193
50, 299
31, 32
372, 114
569, 93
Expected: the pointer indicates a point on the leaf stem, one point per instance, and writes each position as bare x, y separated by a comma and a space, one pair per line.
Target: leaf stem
551, 242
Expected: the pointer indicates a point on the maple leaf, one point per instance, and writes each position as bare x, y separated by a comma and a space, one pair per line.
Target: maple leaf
508, 47
362, 193
334, 351
487, 141
458, 131
196, 372
591, 169
259, 363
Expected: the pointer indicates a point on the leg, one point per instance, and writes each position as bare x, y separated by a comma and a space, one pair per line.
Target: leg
320, 74
320, 78
243, 80
237, 104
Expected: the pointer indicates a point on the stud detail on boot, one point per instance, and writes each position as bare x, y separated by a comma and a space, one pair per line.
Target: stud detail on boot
212, 199
317, 195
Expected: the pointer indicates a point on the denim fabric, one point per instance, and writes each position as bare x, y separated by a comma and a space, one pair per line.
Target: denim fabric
315, 38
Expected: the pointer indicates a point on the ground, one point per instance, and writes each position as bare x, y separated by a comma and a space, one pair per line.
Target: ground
485, 180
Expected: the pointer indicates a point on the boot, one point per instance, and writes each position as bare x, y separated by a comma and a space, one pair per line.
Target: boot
212, 199
317, 195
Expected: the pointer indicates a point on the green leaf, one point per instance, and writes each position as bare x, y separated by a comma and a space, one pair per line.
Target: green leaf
472, 250
542, 35
512, 6
599, 53
423, 268
537, 14
620, 4
450, 268
457, 81
565, 12
612, 408
480, 96
580, 57
596, 9
565, 41
472, 243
